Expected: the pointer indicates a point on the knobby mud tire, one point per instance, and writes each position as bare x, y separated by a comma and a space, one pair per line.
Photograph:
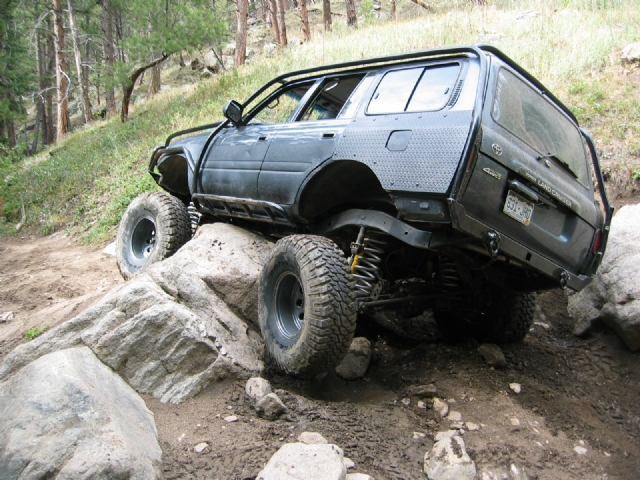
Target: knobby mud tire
507, 318
306, 305
154, 227
515, 317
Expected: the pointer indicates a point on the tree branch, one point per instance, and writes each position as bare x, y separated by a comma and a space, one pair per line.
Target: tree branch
131, 81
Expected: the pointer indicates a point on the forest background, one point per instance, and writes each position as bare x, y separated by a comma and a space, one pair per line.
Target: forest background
88, 87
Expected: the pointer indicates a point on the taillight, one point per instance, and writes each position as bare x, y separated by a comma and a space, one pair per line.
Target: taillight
596, 241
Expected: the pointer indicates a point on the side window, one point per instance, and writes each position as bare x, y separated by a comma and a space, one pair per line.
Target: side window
281, 106
394, 91
414, 90
332, 97
434, 89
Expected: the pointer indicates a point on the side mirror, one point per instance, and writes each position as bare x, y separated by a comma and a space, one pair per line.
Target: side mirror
233, 111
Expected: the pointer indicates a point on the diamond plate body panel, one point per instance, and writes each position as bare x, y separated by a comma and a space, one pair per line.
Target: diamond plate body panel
431, 158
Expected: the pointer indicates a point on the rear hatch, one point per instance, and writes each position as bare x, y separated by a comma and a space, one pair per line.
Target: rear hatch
532, 180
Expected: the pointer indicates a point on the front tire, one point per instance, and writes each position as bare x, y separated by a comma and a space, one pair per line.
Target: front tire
154, 227
306, 305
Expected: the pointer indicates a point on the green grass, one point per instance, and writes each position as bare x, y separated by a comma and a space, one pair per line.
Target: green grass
84, 184
35, 332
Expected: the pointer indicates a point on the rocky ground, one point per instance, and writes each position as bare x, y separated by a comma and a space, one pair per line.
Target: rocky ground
575, 416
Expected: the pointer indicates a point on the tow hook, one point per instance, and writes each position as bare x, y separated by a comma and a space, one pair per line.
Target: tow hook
564, 277
493, 242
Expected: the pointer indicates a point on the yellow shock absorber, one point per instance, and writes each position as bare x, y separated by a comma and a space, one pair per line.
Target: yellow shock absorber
355, 263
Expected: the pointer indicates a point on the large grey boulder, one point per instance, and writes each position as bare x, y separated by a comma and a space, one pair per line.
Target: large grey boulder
298, 461
185, 323
68, 415
614, 295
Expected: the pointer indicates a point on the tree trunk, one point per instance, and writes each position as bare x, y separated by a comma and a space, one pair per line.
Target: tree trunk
352, 18
281, 23
84, 85
11, 133
274, 21
49, 65
108, 56
304, 15
392, 13
421, 3
154, 84
127, 89
326, 14
40, 97
62, 80
241, 34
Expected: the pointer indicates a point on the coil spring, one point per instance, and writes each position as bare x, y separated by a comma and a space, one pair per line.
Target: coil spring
194, 217
365, 266
448, 275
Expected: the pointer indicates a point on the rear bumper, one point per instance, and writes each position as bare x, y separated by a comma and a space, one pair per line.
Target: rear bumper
469, 225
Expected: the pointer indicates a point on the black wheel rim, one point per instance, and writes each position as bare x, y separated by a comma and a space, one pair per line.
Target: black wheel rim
143, 239
289, 309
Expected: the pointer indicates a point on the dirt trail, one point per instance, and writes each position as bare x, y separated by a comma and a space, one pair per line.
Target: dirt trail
575, 392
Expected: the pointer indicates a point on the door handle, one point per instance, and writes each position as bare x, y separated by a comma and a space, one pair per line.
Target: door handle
329, 135
262, 138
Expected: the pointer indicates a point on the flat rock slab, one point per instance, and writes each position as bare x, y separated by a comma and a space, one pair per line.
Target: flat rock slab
298, 461
69, 414
614, 295
171, 331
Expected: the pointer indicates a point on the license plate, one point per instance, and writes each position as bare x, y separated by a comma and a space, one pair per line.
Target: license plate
518, 208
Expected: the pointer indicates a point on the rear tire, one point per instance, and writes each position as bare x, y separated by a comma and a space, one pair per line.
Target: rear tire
154, 227
306, 305
504, 317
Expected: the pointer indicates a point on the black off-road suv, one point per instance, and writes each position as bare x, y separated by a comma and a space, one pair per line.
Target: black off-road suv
447, 179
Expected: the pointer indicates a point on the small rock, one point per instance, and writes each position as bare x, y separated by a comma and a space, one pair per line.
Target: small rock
472, 427
359, 476
201, 447
516, 387
256, 388
231, 419
348, 463
356, 362
580, 450
270, 407
312, 438
631, 53
440, 407
515, 422
443, 435
6, 316
110, 249
418, 435
517, 473
454, 416
423, 391
451, 401
457, 426
492, 355
422, 405
406, 402
309, 462
449, 460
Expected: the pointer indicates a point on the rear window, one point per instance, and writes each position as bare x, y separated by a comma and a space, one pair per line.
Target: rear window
414, 90
538, 123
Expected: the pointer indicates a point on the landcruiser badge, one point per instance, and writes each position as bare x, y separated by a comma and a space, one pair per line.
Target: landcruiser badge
493, 173
497, 149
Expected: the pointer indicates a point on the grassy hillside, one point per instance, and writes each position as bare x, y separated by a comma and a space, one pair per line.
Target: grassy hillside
84, 183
